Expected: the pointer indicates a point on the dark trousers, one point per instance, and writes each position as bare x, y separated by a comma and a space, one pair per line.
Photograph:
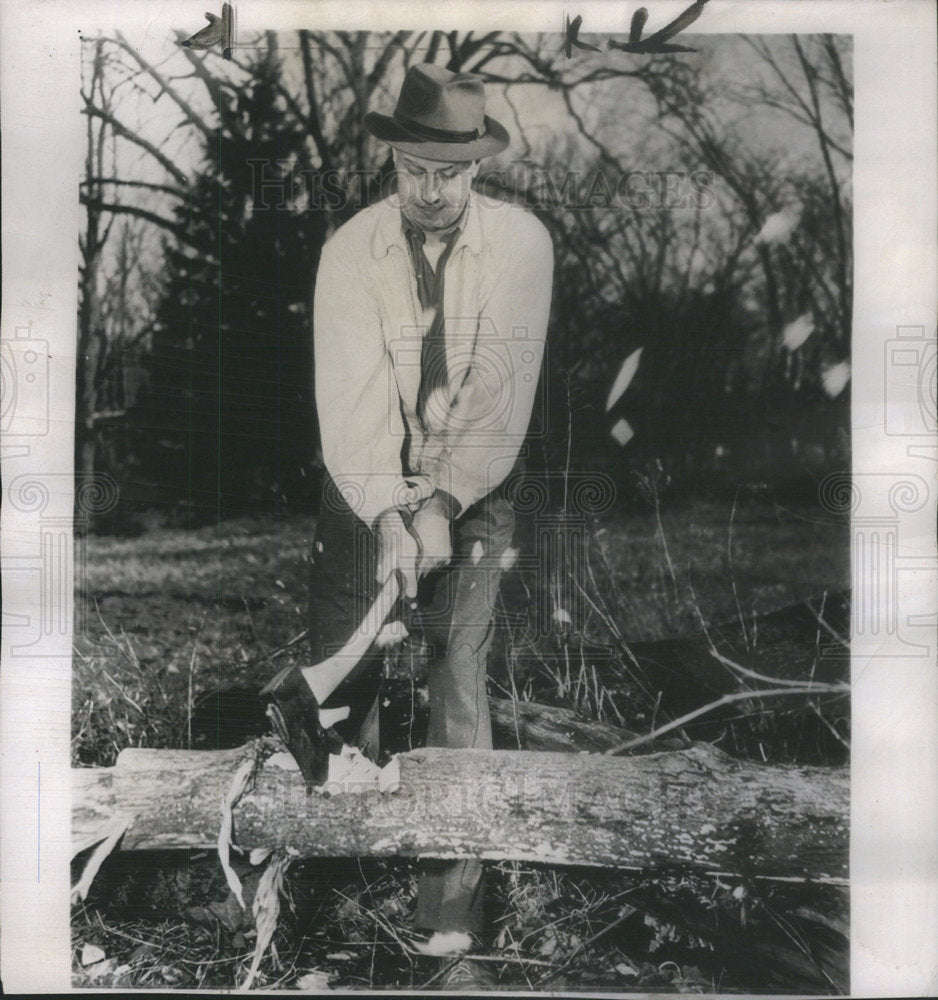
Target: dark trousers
456, 616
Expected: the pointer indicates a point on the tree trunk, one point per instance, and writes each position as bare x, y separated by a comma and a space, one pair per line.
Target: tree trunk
694, 807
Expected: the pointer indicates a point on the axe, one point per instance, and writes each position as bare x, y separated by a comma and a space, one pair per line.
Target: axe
295, 694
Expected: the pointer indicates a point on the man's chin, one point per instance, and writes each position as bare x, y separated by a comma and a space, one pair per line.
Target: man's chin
431, 222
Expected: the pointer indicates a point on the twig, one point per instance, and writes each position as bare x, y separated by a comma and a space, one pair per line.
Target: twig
124, 694
729, 553
829, 628
274, 653
585, 944
189, 690
727, 699
656, 502
442, 971
265, 655
813, 686
517, 959
833, 729
130, 937
696, 606
381, 921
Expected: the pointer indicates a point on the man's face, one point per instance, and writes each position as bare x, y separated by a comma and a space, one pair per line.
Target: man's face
433, 193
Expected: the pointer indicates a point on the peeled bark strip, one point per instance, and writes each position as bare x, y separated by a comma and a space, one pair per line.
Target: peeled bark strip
689, 807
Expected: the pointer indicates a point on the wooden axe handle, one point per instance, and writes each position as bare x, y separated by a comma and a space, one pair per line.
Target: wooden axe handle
323, 678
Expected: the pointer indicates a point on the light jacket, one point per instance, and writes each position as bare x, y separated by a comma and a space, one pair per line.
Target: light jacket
368, 330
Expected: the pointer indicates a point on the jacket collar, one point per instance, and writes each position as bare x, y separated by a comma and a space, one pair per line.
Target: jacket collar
390, 233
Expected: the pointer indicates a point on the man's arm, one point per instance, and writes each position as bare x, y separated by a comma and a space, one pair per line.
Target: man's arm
360, 423
490, 416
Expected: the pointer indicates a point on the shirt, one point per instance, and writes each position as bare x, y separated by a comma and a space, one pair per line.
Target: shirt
368, 332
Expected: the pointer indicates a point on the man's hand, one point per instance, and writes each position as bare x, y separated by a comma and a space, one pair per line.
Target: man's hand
432, 527
397, 550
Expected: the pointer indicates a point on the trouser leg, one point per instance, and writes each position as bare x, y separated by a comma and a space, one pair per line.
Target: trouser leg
450, 893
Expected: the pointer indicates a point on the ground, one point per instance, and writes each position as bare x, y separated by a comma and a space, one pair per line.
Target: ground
172, 615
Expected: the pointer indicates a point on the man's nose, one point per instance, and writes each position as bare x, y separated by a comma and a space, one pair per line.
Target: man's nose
430, 189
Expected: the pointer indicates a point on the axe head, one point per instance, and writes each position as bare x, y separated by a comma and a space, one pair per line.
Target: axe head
294, 712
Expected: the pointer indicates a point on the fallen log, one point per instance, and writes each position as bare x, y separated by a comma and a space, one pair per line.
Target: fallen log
528, 725
695, 807
231, 716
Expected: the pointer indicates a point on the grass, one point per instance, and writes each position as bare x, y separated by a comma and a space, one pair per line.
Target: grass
173, 615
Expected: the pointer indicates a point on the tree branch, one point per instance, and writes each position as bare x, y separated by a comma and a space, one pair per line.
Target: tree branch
162, 188
141, 213
191, 114
315, 126
727, 699
125, 133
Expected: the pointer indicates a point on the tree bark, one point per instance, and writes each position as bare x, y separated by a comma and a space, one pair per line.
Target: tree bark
529, 725
695, 807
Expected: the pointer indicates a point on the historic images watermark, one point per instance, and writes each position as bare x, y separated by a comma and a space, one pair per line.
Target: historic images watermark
47, 597
884, 507
24, 384
279, 184
911, 384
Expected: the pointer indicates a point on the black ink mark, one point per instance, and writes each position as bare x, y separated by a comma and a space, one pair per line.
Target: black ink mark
572, 40
218, 29
658, 42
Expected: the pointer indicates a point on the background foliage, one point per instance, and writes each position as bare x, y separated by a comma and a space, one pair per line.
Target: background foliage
700, 208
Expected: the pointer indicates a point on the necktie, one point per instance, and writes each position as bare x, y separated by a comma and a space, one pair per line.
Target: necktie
433, 369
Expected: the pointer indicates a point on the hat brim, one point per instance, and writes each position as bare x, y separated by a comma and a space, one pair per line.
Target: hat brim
385, 128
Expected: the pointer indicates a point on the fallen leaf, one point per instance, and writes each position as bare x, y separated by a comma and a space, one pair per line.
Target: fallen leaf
141, 952
548, 946
101, 969
170, 974
313, 982
91, 953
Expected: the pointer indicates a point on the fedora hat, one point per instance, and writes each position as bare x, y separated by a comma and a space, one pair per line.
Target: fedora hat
440, 115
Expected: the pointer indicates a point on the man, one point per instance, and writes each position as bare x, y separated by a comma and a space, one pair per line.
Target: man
430, 315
